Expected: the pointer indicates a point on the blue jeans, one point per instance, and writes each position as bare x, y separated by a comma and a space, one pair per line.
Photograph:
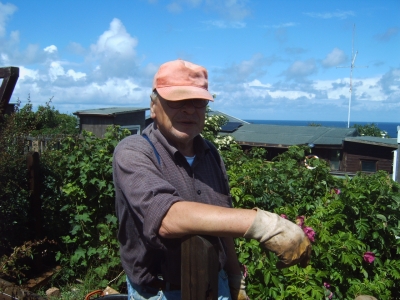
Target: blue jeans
137, 292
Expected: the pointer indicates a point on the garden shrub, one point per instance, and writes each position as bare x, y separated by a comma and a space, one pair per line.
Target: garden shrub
86, 167
356, 221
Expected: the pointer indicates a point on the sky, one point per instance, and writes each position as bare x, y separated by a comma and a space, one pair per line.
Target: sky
276, 60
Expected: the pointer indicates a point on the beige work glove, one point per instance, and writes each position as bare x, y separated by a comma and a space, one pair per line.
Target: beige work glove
237, 287
286, 239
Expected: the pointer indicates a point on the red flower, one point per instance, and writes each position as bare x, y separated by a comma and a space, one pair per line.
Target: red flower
310, 233
284, 216
245, 272
327, 285
300, 221
369, 257
337, 191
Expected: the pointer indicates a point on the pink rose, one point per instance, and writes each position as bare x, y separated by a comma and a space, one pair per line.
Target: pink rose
369, 257
328, 286
245, 272
284, 216
300, 221
337, 191
310, 233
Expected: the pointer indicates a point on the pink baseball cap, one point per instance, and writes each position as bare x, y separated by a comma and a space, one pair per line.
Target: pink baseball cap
180, 80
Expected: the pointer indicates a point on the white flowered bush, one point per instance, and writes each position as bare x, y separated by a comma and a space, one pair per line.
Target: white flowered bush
212, 127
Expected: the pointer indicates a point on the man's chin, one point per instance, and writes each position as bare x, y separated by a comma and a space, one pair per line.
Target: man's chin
185, 135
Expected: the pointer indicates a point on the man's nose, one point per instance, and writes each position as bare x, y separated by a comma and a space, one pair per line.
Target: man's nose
189, 107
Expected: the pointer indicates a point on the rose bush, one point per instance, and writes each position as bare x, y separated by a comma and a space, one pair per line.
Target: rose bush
354, 224
354, 221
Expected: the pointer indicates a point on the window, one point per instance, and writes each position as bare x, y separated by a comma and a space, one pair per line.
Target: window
334, 159
134, 129
368, 165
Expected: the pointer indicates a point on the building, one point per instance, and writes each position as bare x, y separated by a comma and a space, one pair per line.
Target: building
368, 154
97, 120
343, 149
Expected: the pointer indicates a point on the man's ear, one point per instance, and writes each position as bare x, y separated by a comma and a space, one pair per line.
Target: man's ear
152, 113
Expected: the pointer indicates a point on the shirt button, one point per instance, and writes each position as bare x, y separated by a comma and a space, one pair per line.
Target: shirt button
198, 192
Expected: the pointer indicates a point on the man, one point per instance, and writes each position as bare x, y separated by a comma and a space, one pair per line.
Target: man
169, 184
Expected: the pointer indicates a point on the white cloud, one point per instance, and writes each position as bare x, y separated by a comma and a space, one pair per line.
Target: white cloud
28, 74
230, 9
267, 89
335, 58
243, 71
6, 10
363, 89
329, 15
283, 25
389, 34
50, 49
4, 59
300, 69
225, 24
114, 51
257, 83
174, 8
75, 75
55, 70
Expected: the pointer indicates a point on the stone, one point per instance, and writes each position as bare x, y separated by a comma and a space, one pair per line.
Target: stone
365, 297
53, 292
109, 291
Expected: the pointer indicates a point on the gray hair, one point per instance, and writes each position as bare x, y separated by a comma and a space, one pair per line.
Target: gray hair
154, 96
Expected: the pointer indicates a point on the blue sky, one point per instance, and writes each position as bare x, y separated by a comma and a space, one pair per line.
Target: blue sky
273, 60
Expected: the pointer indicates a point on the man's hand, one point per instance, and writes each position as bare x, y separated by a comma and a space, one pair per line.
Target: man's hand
237, 287
286, 239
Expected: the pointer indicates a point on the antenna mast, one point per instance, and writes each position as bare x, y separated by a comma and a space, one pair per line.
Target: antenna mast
352, 66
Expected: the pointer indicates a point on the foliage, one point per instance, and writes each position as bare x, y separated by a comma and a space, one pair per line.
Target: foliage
46, 120
15, 207
14, 194
86, 165
12, 266
212, 126
350, 217
370, 130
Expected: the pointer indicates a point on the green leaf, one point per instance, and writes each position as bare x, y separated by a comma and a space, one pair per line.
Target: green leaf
382, 217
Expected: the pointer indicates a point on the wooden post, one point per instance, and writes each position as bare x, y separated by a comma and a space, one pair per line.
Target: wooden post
199, 268
10, 76
33, 164
34, 176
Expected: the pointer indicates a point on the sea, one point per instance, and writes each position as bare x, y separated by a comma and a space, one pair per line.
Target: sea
389, 127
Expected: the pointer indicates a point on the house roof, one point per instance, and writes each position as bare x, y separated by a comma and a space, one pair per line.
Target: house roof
285, 136
232, 124
110, 111
371, 140
230, 118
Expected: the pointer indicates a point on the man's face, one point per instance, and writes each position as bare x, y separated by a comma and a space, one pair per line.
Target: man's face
178, 125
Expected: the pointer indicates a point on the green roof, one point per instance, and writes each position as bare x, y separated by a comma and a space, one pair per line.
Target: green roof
372, 140
284, 136
110, 111
230, 118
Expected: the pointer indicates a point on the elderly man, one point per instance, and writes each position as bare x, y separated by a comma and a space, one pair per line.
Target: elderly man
170, 183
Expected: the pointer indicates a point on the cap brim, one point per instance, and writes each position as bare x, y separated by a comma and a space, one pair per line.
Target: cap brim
176, 93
